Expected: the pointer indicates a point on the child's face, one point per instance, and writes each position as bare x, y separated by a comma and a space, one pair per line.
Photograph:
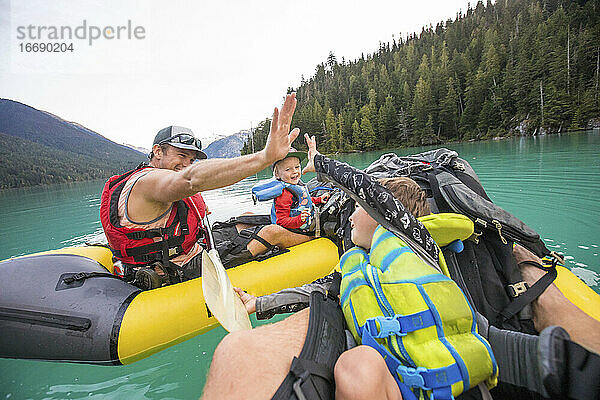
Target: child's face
363, 227
288, 170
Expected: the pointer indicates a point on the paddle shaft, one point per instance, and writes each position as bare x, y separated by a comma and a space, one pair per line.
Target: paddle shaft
210, 241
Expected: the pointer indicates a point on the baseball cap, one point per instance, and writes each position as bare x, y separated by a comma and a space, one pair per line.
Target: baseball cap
180, 137
300, 155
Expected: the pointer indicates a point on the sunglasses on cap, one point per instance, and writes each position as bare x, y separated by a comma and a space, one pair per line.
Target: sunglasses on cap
183, 138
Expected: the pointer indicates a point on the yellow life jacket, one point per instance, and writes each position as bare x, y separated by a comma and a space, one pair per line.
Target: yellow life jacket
417, 318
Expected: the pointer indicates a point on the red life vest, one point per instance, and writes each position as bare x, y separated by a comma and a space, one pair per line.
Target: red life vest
136, 245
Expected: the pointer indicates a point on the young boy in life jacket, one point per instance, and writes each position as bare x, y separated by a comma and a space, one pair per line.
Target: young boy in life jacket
295, 334
294, 207
266, 356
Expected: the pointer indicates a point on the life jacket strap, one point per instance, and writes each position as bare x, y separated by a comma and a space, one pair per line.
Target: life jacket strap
153, 251
398, 324
182, 215
311, 191
181, 219
147, 234
438, 380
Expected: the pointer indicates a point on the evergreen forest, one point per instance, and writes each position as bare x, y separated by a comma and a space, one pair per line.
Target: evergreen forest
39, 148
505, 68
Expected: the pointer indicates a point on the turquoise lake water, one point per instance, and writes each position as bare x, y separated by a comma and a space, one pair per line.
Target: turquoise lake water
550, 182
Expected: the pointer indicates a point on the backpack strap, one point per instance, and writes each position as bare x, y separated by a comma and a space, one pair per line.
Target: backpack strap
311, 373
524, 294
253, 233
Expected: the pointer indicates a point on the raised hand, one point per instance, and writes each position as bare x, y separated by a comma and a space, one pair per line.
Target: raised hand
280, 138
311, 142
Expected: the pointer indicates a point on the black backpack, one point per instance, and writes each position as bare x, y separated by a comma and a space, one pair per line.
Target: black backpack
486, 269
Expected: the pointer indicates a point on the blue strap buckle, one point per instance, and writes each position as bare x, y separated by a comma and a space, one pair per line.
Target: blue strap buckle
412, 376
399, 325
387, 326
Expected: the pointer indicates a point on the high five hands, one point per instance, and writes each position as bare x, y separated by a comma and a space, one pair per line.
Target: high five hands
311, 142
280, 138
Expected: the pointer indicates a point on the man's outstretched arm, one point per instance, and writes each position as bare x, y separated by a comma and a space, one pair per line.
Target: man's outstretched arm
164, 186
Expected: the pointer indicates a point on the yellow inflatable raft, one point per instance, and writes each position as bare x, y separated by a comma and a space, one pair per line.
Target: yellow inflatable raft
104, 320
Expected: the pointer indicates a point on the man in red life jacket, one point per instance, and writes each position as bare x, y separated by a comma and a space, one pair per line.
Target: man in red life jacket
154, 214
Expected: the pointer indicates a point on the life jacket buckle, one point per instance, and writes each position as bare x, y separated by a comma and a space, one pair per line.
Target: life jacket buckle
387, 326
412, 376
139, 235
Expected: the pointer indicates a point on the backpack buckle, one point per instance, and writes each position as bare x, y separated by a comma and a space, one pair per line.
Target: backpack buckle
459, 166
517, 289
558, 257
475, 237
296, 387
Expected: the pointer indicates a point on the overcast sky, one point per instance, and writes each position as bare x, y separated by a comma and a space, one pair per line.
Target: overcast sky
213, 66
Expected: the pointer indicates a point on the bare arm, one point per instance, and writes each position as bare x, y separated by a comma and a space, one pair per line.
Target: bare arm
164, 186
285, 301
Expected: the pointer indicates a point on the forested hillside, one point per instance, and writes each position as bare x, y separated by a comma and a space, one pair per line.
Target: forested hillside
39, 148
511, 67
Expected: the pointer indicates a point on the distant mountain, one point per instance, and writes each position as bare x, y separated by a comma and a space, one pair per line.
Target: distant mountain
227, 147
138, 148
38, 147
206, 140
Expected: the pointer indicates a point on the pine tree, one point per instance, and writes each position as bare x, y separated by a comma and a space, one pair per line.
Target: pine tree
449, 111
343, 144
317, 120
421, 110
368, 133
387, 122
357, 141
333, 141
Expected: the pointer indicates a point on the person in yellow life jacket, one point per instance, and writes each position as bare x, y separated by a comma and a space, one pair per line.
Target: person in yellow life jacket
363, 229
411, 317
294, 358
